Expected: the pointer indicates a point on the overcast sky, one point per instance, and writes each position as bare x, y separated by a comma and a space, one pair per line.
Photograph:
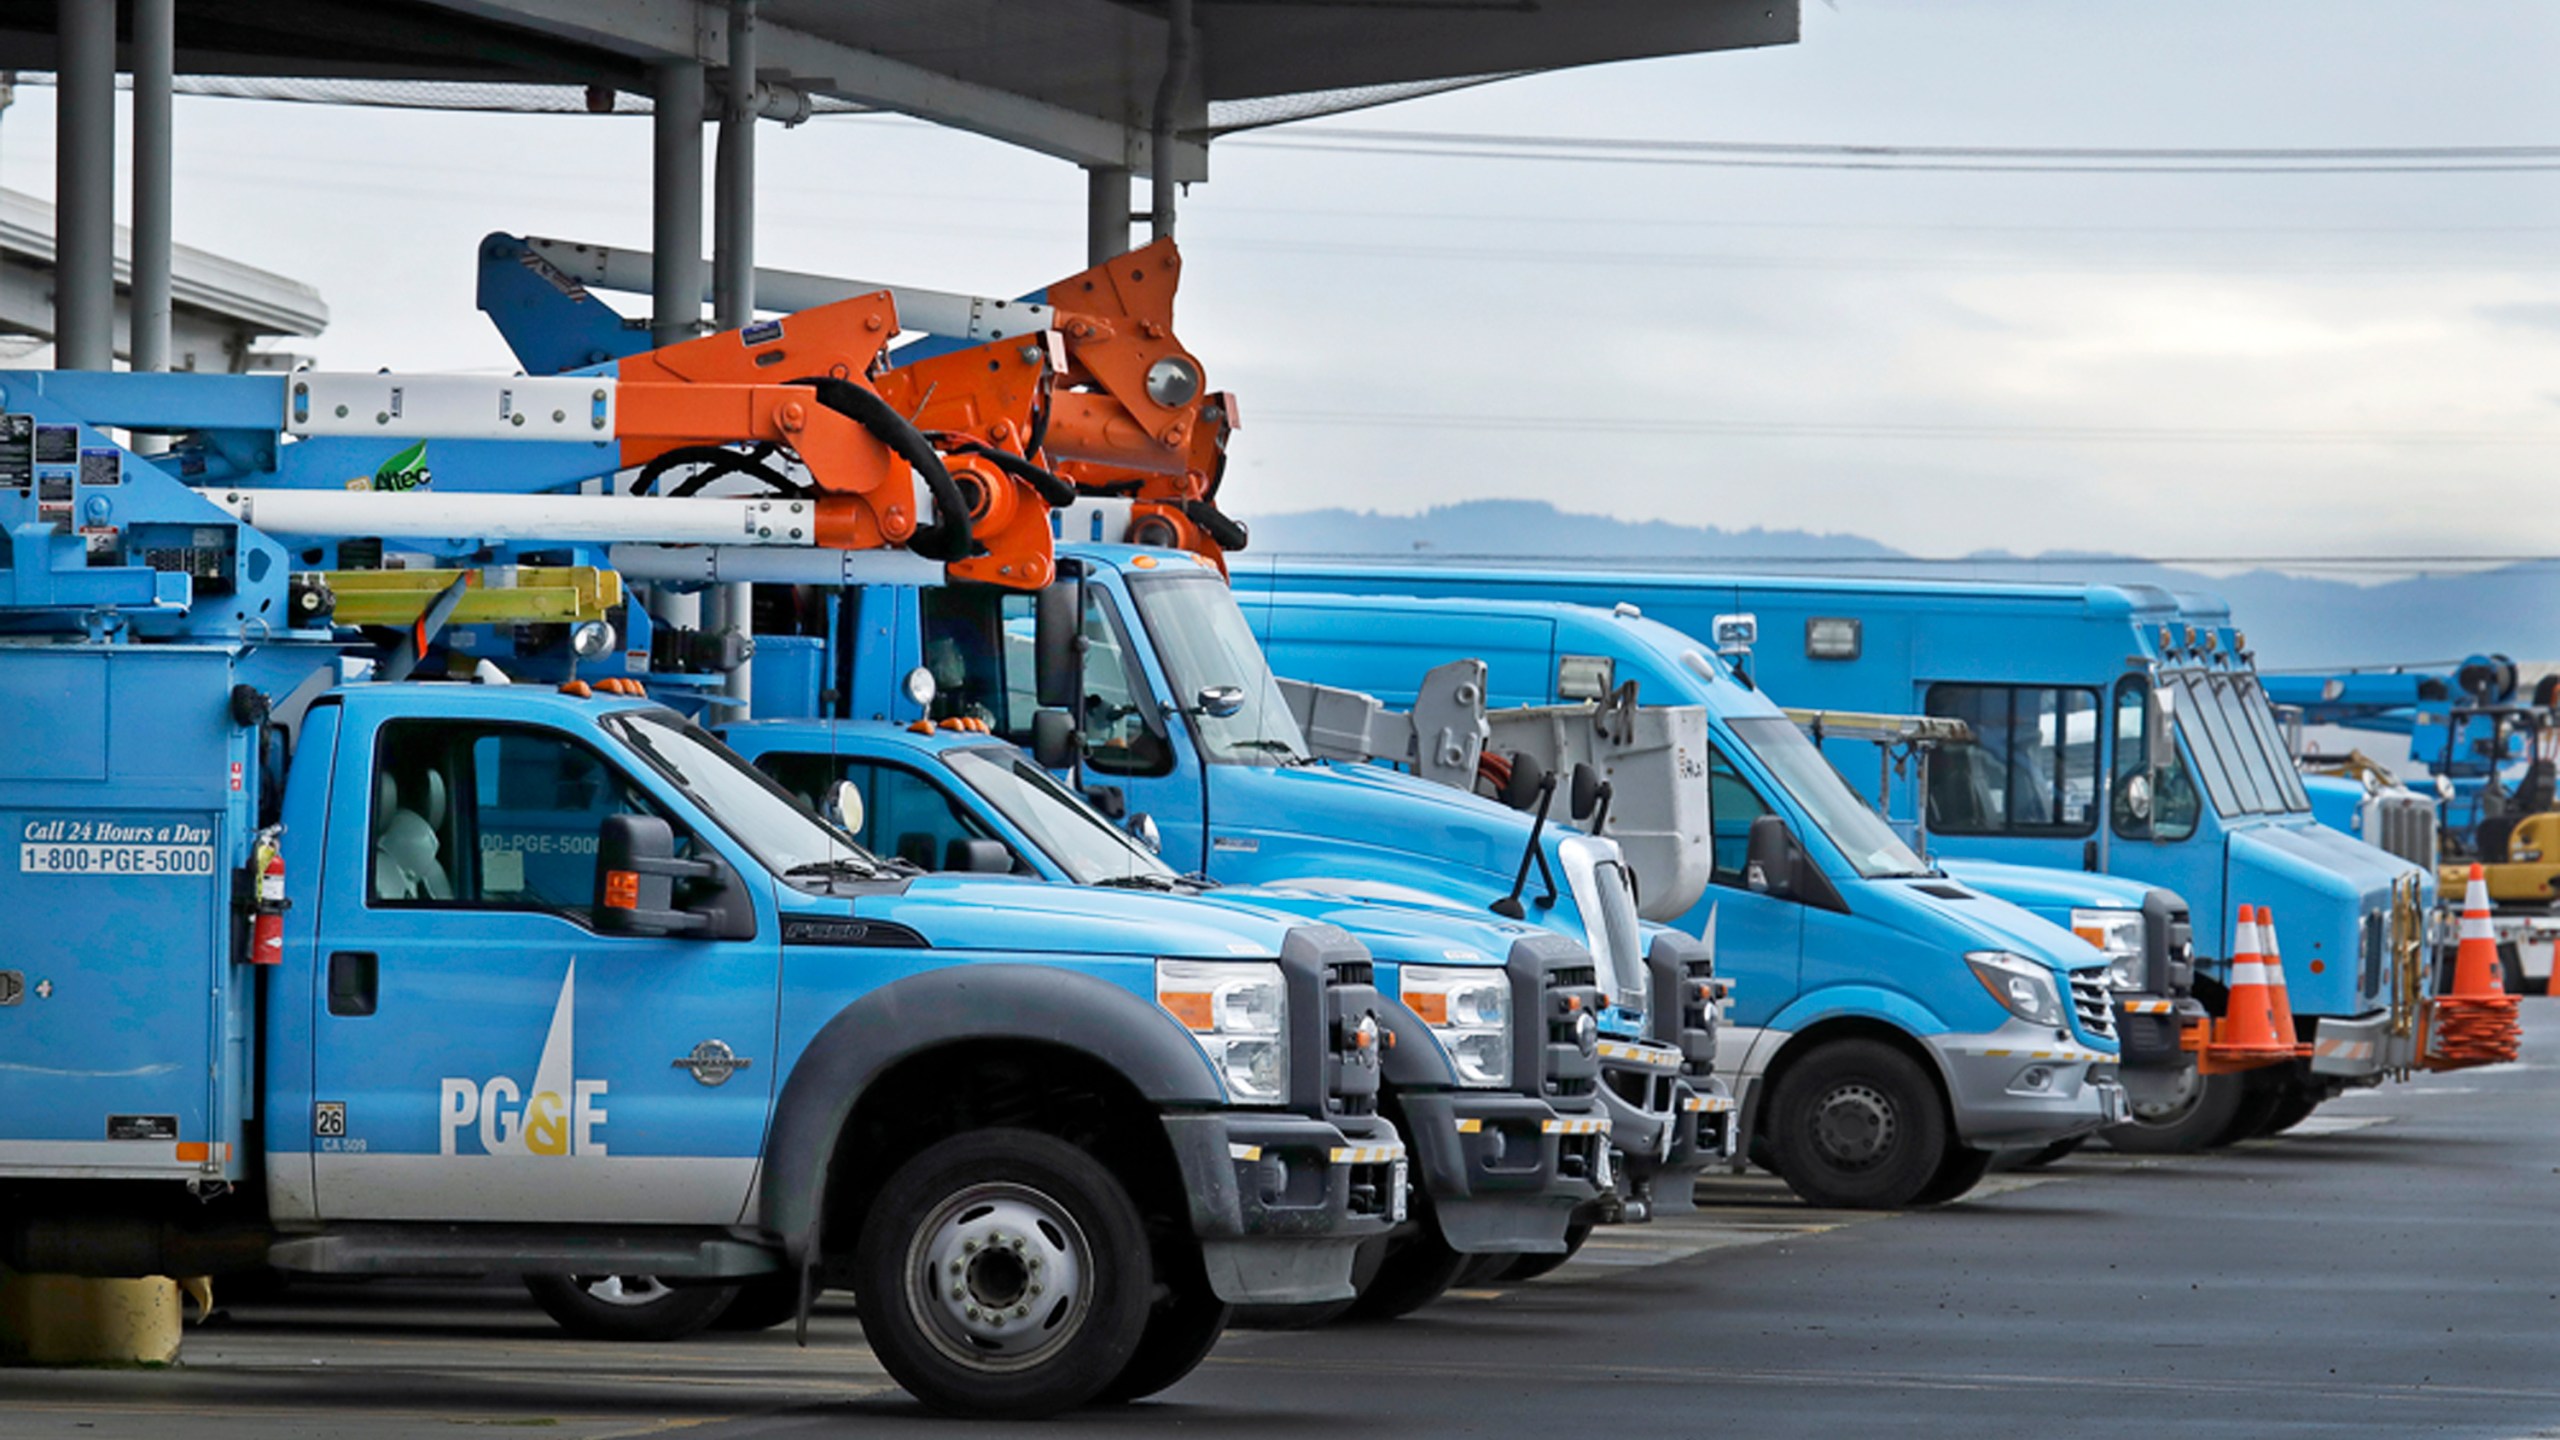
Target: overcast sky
2416, 317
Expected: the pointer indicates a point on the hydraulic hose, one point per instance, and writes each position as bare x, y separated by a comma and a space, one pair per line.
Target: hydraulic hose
1229, 532
1058, 493
948, 538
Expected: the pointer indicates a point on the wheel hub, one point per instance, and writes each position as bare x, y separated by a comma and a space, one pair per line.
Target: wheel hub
1854, 1126
625, 1289
1000, 1274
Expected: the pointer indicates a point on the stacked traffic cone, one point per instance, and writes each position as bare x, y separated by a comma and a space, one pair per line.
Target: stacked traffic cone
2279, 999
2475, 1024
2246, 1036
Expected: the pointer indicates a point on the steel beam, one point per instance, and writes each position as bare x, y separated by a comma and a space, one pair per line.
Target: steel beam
1178, 38
1106, 213
654, 30
84, 186
675, 223
155, 63
733, 220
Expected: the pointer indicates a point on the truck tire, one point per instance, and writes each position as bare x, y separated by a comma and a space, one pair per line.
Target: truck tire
1858, 1125
1181, 1329
2294, 1105
2199, 1126
1963, 1169
1530, 1267
628, 1307
2511, 968
762, 1303
2260, 1098
1419, 1269
1003, 1274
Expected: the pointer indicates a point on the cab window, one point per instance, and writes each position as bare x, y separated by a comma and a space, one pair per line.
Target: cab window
1734, 805
2163, 806
903, 814
486, 817
2033, 766
978, 646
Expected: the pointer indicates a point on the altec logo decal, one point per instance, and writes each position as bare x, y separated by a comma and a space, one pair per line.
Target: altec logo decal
559, 1115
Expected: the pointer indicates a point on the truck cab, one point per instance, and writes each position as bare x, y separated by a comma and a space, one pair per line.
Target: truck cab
1843, 946
563, 986
1492, 1073
2114, 738
1172, 725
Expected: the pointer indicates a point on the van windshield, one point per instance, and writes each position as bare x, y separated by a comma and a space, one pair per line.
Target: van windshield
1206, 646
1089, 848
1869, 845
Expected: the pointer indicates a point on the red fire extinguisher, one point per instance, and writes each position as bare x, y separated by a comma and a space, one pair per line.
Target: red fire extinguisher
266, 926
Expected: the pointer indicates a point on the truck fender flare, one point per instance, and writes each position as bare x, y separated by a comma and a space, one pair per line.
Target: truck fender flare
974, 1003
1862, 1002
1411, 1059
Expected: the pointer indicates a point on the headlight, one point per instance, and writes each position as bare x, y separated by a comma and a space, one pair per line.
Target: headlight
1239, 1012
1469, 1012
2117, 933
2023, 987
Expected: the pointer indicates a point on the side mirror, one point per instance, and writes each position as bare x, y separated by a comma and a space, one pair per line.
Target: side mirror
1053, 739
1527, 778
1585, 791
1771, 862
2160, 733
1057, 636
1142, 828
636, 875
1219, 702
978, 857
844, 806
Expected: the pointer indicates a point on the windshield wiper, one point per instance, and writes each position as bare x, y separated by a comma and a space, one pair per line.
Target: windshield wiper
853, 865
1136, 882
1270, 746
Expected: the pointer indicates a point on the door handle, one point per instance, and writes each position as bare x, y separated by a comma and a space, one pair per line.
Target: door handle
355, 982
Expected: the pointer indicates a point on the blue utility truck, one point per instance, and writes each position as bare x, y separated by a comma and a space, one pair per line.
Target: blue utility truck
2070, 691
1894, 1027
341, 971
1135, 675
1491, 1065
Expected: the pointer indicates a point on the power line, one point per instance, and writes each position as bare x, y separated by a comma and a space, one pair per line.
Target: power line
1624, 563
1858, 430
1735, 154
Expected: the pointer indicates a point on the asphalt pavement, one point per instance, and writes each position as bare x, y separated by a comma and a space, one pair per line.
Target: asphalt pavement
2389, 1269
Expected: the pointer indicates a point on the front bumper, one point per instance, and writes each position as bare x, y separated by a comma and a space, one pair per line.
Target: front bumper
2018, 1086
1709, 1133
1654, 1129
1280, 1202
2154, 1064
2358, 1046
1504, 1172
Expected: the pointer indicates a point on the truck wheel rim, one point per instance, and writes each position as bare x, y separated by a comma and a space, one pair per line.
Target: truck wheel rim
999, 1276
624, 1290
1854, 1126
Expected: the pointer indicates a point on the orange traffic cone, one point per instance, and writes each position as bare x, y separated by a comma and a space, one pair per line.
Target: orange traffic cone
2474, 1023
2279, 999
2247, 1034
2553, 988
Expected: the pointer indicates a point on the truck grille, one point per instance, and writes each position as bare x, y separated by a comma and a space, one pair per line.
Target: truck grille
2403, 823
2090, 1001
1565, 1071
1351, 1072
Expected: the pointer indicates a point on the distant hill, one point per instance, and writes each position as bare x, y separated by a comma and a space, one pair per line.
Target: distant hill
2293, 622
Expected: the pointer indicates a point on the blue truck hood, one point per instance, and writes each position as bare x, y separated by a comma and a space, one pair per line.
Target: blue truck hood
2047, 893
1407, 832
980, 912
2321, 890
1394, 933
1973, 919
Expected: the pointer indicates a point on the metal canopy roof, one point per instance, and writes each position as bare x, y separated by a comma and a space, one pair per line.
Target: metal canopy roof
1072, 78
